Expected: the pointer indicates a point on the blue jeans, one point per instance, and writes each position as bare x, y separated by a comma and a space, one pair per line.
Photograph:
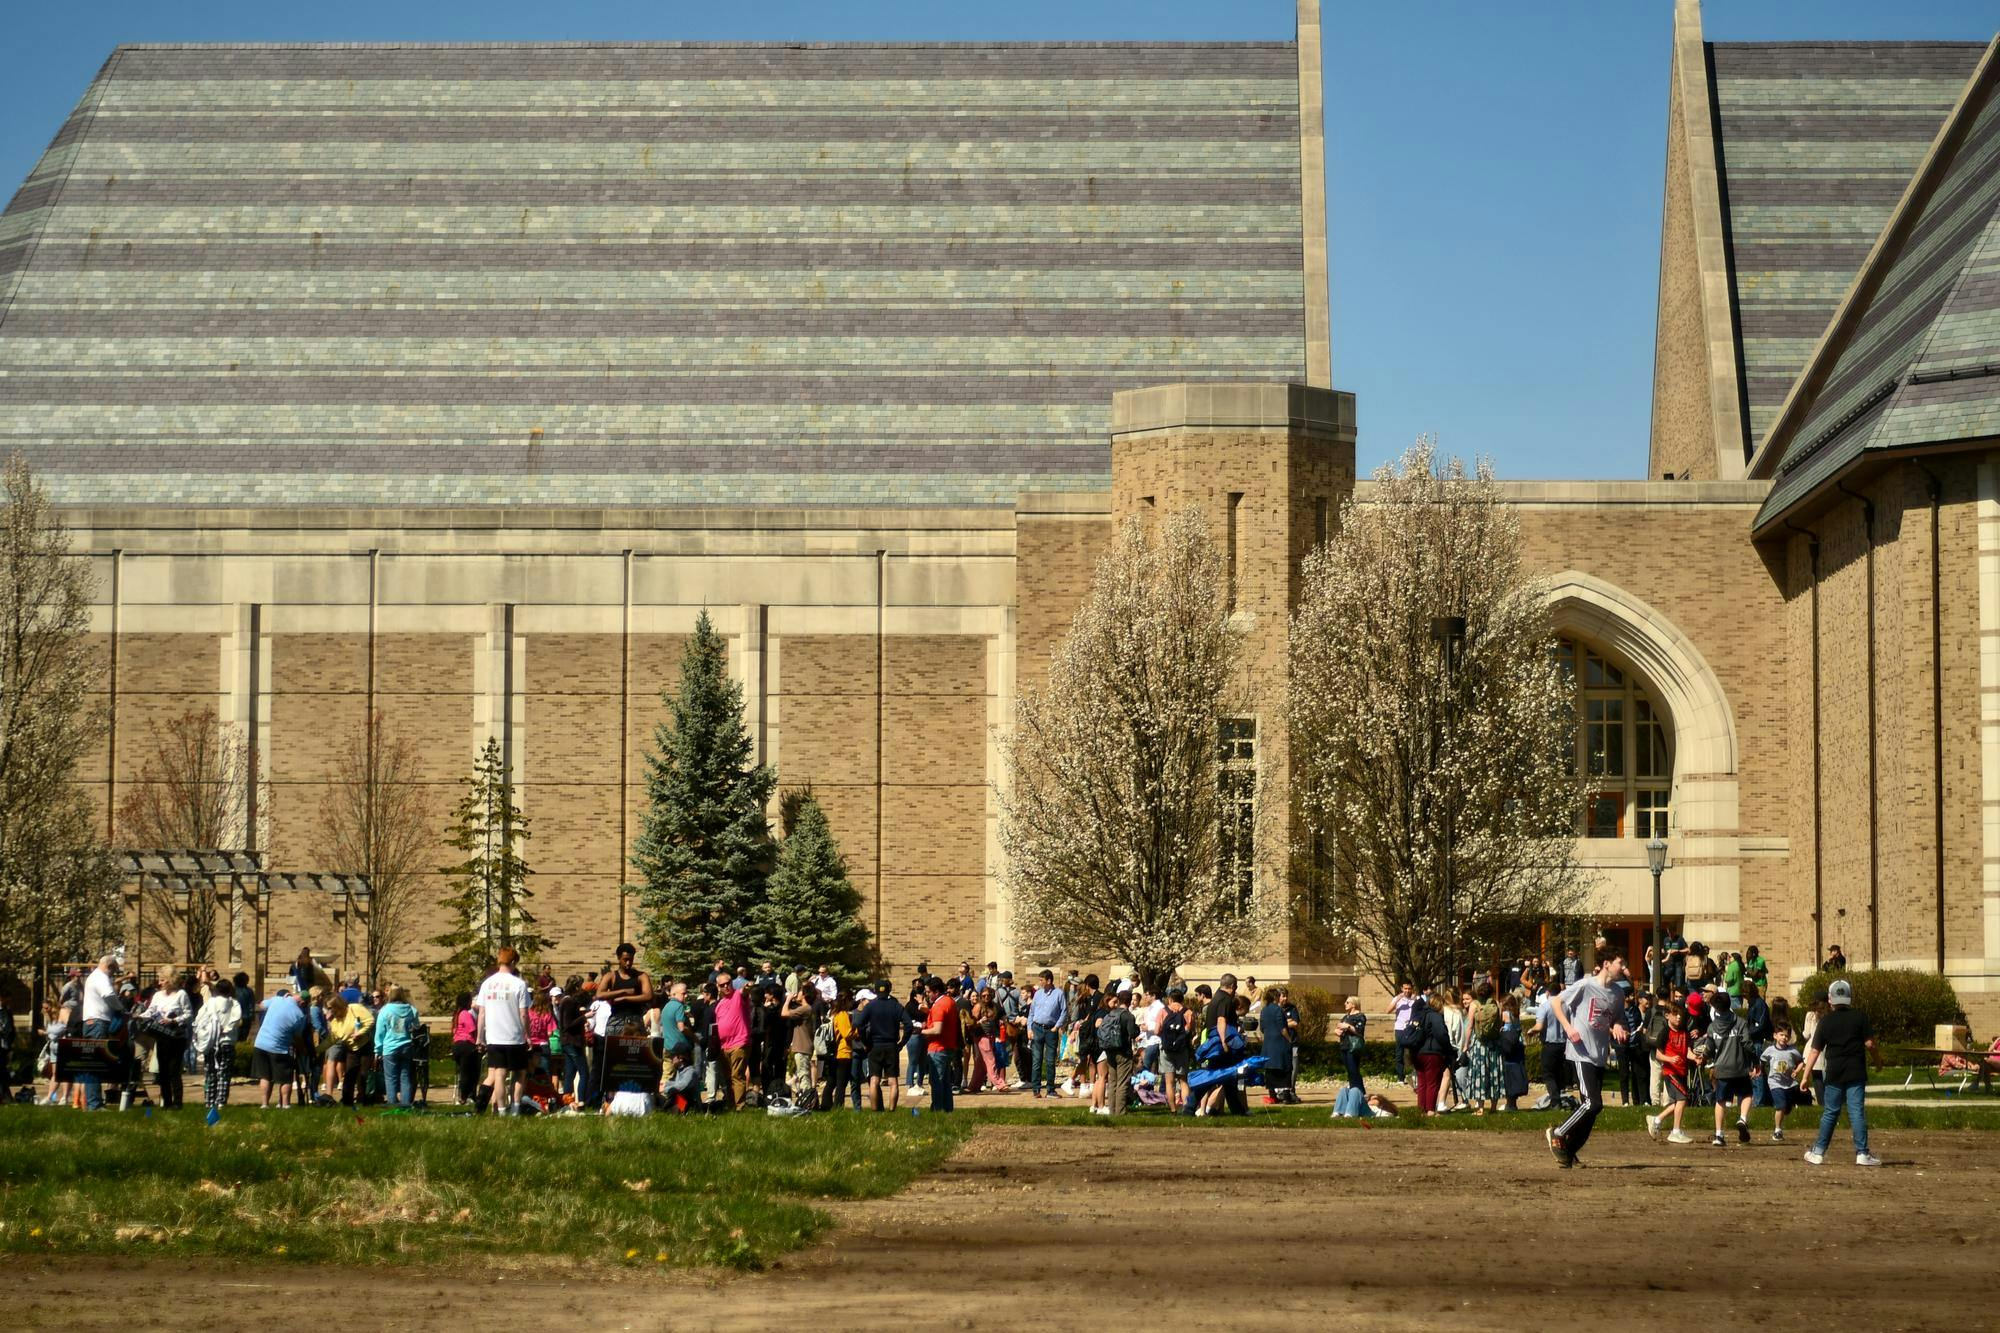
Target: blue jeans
1352, 1059
575, 1074
857, 1074
919, 1062
397, 1086
1046, 1041
93, 1086
942, 1078
1851, 1095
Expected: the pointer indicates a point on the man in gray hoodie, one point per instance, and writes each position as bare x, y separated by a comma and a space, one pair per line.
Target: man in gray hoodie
1591, 1012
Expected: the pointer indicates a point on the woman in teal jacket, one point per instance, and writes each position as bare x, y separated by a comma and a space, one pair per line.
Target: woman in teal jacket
395, 1029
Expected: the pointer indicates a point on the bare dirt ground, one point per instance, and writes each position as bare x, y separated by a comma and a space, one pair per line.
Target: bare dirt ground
1193, 1226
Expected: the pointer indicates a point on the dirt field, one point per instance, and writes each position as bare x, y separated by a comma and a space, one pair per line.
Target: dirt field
1190, 1227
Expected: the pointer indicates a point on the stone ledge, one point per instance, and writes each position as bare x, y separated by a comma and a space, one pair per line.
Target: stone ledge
1266, 405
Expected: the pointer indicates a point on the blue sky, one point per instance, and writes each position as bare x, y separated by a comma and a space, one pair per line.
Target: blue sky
1493, 171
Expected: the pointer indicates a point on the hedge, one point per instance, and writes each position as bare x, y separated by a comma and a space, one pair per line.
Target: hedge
1903, 1004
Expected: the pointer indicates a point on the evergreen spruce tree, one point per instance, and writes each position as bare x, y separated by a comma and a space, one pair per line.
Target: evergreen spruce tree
704, 847
489, 889
811, 915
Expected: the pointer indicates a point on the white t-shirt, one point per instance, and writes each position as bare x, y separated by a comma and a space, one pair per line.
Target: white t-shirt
827, 986
1149, 1027
98, 997
503, 998
600, 1016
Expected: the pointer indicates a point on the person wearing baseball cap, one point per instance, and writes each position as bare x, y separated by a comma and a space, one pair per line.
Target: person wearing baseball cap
1844, 1045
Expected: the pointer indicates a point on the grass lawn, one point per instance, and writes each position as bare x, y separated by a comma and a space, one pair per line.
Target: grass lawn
338, 1187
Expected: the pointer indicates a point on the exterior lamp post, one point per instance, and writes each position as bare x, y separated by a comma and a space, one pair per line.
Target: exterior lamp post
1448, 632
1656, 859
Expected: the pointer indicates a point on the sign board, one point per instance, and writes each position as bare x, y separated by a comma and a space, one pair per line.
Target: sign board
629, 1058
100, 1057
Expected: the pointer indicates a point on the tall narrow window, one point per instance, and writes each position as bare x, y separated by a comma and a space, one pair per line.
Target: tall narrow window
1319, 522
1623, 747
1233, 539
1237, 781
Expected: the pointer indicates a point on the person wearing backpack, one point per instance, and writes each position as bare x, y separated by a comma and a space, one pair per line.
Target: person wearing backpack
1729, 1055
1176, 1047
1485, 1079
1117, 1034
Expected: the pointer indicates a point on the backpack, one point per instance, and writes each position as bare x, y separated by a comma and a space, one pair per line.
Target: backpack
1486, 1022
1111, 1037
1174, 1039
1410, 1035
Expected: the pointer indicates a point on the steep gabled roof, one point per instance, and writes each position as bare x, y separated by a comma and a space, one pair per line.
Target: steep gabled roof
642, 273
1912, 356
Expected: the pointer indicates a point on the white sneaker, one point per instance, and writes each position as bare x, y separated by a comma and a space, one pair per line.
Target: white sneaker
1777, 1136
1864, 1159
1653, 1128
1815, 1156
1679, 1136
1100, 1110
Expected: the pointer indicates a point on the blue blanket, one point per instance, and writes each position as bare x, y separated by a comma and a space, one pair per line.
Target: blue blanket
1251, 1071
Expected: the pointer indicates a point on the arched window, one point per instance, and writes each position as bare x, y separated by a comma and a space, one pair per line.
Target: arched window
1624, 747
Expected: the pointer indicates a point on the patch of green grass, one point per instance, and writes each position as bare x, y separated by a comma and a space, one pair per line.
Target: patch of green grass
334, 1187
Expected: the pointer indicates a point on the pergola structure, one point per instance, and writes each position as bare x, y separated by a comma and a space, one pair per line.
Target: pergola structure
239, 879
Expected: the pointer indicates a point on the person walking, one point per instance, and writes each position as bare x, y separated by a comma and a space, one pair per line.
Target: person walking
215, 1044
1555, 1049
395, 1034
502, 1010
1277, 1047
102, 1011
1730, 1056
1592, 1014
1048, 1012
1842, 1047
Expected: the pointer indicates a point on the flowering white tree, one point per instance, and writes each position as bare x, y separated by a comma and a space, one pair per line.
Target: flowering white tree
1126, 835
58, 882
1443, 800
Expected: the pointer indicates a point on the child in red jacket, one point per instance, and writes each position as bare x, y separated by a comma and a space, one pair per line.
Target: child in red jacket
1673, 1075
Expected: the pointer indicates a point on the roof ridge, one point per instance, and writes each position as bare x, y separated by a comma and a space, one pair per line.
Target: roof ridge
1275, 44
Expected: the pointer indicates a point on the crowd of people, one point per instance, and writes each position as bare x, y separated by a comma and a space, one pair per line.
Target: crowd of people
620, 1041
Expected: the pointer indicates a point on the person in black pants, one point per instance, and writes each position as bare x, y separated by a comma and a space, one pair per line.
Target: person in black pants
465, 1049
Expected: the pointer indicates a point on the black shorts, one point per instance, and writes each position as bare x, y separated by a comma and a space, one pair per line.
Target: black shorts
882, 1062
507, 1057
1732, 1089
268, 1068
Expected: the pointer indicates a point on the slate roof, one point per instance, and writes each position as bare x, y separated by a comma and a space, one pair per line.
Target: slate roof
1815, 142
1913, 357
648, 274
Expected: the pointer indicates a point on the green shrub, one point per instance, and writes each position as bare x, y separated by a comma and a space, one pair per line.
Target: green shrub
1317, 1009
1903, 1004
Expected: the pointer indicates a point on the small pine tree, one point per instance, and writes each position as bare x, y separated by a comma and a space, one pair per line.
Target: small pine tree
489, 889
811, 914
704, 847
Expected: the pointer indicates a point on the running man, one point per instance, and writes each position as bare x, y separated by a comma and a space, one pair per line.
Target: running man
1591, 1012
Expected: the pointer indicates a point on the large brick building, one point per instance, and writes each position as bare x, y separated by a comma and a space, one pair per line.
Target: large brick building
453, 383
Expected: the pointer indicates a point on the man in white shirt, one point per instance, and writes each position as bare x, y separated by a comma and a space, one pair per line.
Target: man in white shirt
824, 983
502, 1032
101, 1011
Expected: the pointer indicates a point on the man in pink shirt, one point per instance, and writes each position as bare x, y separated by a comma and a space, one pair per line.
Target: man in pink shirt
732, 1030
